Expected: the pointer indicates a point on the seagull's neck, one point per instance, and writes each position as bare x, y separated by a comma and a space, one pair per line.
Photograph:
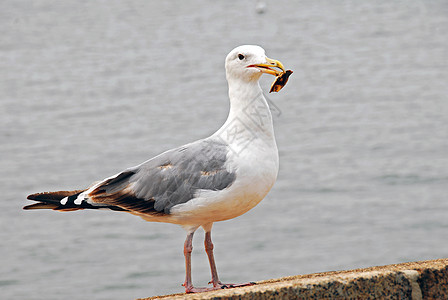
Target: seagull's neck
249, 115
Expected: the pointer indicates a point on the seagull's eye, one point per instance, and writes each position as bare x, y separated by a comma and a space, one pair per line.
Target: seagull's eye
240, 56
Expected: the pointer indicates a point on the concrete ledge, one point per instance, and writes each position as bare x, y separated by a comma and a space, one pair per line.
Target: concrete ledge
415, 280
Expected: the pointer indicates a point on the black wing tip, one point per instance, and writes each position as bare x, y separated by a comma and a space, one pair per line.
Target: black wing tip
40, 205
51, 200
53, 196
34, 196
27, 207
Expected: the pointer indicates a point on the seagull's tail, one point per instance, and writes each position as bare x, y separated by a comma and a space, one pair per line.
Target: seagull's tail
52, 200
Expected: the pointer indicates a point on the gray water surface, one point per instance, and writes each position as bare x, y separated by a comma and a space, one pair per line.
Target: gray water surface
88, 88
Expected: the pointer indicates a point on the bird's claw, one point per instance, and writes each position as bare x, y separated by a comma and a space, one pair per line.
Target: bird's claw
216, 286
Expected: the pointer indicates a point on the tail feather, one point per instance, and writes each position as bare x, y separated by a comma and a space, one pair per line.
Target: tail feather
41, 205
53, 196
52, 200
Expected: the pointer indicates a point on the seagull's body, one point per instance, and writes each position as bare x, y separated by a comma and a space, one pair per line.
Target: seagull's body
210, 180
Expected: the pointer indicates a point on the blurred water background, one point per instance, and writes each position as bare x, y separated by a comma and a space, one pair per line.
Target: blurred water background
88, 88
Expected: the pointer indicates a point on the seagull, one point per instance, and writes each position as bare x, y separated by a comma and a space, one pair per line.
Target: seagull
213, 179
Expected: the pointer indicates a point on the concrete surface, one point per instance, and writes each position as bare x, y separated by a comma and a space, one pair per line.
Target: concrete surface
414, 280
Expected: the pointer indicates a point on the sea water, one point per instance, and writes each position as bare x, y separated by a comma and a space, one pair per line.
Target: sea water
90, 88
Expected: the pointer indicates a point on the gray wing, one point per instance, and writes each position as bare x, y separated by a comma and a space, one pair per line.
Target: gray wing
171, 178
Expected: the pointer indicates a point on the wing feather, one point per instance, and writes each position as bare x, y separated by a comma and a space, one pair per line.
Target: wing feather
169, 179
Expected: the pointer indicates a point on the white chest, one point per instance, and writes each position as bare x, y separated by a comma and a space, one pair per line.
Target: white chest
256, 170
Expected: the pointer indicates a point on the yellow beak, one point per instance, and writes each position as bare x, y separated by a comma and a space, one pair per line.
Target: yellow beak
271, 63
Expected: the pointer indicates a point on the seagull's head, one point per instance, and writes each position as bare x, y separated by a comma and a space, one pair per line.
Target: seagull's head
249, 62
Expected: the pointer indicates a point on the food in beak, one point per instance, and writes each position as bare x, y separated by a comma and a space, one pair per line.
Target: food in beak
280, 81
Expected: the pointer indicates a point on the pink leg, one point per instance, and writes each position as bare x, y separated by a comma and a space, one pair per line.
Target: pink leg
211, 258
217, 284
188, 284
188, 248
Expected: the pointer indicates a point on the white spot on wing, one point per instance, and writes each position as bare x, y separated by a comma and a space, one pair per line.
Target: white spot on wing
64, 201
